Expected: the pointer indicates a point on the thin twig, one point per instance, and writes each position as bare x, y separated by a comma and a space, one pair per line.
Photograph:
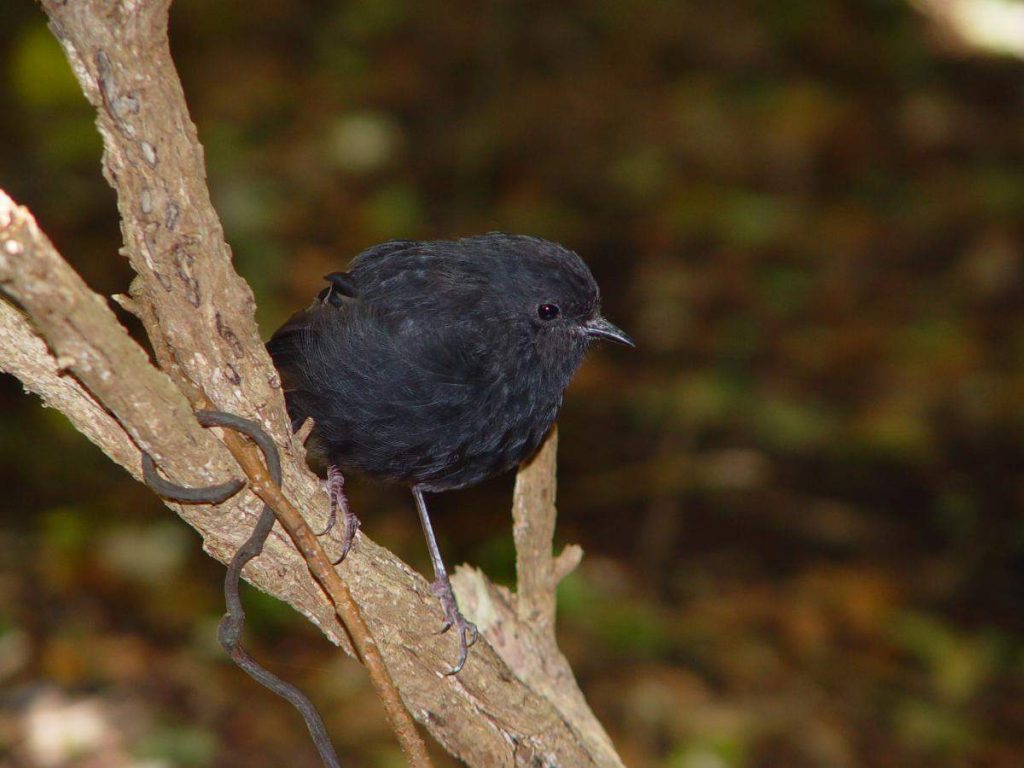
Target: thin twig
338, 593
229, 633
212, 494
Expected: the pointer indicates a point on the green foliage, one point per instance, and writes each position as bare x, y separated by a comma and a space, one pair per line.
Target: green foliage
959, 666
180, 745
723, 750
41, 81
39, 73
395, 212
633, 628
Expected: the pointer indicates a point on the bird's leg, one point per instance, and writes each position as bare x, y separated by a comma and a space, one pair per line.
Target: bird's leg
442, 587
335, 487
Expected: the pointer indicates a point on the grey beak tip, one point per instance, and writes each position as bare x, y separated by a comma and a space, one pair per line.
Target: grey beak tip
602, 329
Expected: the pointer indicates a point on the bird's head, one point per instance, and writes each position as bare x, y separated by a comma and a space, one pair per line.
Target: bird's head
549, 295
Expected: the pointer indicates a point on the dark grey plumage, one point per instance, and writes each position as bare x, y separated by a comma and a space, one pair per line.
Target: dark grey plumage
440, 364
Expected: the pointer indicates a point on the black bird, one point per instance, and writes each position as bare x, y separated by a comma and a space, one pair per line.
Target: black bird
437, 365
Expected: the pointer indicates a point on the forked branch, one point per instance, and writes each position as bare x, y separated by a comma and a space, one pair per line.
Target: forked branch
65, 344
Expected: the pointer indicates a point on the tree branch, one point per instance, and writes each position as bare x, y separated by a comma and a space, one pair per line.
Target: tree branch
199, 315
71, 317
521, 627
26, 357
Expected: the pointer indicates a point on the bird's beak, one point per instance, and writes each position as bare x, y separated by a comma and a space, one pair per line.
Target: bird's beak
601, 329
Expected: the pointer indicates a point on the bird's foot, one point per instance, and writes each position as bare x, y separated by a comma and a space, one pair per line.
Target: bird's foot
335, 487
468, 633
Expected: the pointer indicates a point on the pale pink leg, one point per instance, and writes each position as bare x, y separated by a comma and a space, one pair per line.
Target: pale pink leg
335, 487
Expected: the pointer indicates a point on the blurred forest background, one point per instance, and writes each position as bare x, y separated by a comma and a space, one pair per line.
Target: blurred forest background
801, 496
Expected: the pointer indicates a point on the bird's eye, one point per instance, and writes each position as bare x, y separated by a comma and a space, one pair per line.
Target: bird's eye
548, 311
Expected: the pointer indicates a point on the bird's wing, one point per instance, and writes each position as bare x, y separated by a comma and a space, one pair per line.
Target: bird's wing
289, 344
343, 287
395, 332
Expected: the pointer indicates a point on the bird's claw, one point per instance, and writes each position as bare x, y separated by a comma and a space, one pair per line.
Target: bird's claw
335, 487
351, 526
468, 633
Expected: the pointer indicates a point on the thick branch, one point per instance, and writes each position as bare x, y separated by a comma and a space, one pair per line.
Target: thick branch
173, 238
27, 357
70, 316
